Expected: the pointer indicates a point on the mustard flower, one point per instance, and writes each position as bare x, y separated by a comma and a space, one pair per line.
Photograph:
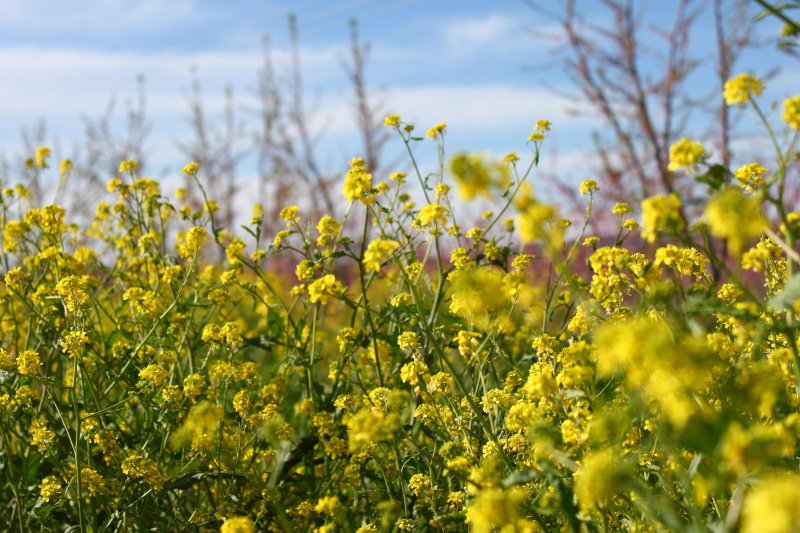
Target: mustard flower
419, 483
322, 289
772, 505
327, 505
328, 228
194, 240
431, 215
588, 187
345, 338
15, 278
661, 212
408, 341
280, 238
475, 175
49, 487
602, 475
72, 290
28, 363
237, 524
235, 251
437, 130
536, 136
65, 166
129, 166
392, 120
685, 153
741, 88
290, 214
242, 402
40, 157
511, 158
41, 436
73, 342
735, 217
496, 509
191, 169
791, 112
750, 176
154, 375
377, 252
357, 182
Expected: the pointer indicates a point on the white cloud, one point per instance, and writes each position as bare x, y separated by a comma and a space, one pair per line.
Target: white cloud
53, 82
97, 17
466, 34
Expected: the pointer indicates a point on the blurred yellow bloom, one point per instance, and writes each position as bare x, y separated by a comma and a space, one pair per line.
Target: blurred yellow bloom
741, 88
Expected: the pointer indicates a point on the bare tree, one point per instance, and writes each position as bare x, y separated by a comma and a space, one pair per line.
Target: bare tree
640, 92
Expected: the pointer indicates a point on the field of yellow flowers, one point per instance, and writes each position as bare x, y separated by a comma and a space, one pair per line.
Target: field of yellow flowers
411, 374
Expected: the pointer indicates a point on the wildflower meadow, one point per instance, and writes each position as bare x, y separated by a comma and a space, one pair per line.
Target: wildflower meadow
391, 367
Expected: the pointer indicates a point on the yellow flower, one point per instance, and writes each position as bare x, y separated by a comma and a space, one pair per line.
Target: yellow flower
408, 341
129, 166
392, 120
791, 112
419, 483
602, 475
437, 130
621, 208
495, 509
289, 214
328, 228
65, 166
203, 419
477, 295
40, 157
588, 187
49, 487
475, 175
193, 242
750, 176
735, 217
377, 252
431, 215
242, 402
685, 153
237, 524
327, 505
772, 506
661, 212
322, 289
28, 363
73, 342
41, 436
155, 375
742, 88
511, 158
357, 182
539, 221
191, 169
235, 251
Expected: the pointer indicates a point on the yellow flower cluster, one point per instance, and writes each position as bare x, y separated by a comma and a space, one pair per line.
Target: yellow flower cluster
742, 88
685, 153
358, 182
385, 368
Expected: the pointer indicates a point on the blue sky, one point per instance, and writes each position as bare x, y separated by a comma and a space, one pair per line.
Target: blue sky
470, 63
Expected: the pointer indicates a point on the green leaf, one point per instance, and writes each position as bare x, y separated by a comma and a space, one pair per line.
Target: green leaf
715, 178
